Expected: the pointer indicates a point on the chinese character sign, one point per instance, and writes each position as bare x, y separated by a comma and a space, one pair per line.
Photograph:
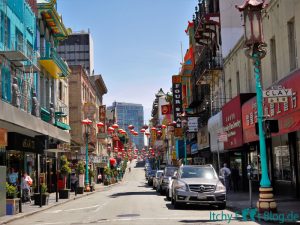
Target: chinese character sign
102, 117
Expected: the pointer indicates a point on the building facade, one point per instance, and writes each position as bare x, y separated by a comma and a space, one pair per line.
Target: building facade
78, 49
33, 116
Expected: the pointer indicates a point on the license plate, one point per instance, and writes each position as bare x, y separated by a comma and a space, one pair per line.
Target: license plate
201, 196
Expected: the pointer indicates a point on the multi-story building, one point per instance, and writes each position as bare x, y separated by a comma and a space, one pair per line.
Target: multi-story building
129, 114
78, 50
280, 70
33, 113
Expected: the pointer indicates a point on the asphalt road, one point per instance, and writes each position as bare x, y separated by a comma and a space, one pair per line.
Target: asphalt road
131, 202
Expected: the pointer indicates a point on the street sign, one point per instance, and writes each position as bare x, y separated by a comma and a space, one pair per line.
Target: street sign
193, 124
277, 99
277, 93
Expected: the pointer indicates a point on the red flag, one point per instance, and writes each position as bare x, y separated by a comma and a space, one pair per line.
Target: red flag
166, 109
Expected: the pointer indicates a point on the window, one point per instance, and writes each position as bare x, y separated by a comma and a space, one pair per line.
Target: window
238, 82
292, 44
60, 90
229, 89
273, 60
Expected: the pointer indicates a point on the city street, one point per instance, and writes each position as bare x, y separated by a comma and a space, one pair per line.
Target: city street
130, 202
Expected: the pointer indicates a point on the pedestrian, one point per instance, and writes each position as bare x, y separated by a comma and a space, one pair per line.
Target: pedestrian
235, 176
74, 181
25, 185
129, 169
225, 172
13, 177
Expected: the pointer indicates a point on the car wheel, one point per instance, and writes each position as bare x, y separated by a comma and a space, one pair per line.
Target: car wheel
222, 205
177, 205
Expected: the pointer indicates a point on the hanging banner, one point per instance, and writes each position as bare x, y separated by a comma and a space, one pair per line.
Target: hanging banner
177, 102
102, 116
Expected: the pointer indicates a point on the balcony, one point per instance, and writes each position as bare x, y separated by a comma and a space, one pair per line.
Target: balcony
45, 116
20, 54
61, 109
53, 63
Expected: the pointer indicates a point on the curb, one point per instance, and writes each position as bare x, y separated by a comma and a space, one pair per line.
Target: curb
23, 215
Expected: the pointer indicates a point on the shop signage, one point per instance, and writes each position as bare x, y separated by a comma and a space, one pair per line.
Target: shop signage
194, 148
193, 124
3, 137
202, 137
21, 142
222, 137
102, 117
287, 113
177, 100
232, 121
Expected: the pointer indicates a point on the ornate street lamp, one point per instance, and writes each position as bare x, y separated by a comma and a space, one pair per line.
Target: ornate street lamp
87, 123
254, 43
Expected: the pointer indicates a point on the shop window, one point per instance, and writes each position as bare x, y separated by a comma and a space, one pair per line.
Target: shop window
281, 158
254, 162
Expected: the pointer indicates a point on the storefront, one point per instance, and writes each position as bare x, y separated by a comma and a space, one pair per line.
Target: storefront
282, 147
235, 151
22, 154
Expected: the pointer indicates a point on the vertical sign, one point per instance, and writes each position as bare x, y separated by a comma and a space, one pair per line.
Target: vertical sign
102, 118
177, 102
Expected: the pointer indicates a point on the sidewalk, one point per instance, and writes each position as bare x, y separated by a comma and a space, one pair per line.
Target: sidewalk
237, 201
30, 208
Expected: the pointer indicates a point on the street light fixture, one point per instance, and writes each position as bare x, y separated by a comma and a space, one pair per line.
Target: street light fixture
254, 42
87, 123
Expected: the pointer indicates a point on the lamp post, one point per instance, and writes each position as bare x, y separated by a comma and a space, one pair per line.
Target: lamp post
87, 123
254, 43
184, 130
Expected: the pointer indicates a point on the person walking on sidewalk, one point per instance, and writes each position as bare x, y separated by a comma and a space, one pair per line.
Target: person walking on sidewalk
225, 172
25, 185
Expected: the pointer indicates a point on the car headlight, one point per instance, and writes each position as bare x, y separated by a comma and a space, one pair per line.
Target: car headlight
181, 185
220, 187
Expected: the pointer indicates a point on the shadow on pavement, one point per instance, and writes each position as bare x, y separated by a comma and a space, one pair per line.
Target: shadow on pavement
131, 193
140, 164
192, 207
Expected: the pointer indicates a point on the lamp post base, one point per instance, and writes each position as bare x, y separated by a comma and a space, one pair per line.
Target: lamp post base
266, 201
87, 188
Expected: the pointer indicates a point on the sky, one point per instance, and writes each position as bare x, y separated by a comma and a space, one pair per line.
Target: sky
137, 43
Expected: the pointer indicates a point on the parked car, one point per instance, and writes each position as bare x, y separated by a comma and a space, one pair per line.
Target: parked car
151, 175
156, 178
166, 178
198, 185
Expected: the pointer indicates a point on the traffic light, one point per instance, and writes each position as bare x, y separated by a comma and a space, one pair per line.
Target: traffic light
270, 126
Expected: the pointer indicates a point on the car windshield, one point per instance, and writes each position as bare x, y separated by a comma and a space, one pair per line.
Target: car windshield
170, 171
198, 172
158, 174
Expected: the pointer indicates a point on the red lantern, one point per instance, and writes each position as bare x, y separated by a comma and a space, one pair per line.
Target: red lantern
86, 121
135, 133
153, 128
110, 129
163, 126
130, 127
115, 126
145, 127
142, 130
112, 161
147, 134
100, 124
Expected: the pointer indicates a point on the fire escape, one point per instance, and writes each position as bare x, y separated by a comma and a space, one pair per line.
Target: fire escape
208, 58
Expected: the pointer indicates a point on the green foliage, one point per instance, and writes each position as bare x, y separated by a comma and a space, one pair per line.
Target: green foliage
64, 169
44, 188
107, 171
80, 168
92, 173
11, 191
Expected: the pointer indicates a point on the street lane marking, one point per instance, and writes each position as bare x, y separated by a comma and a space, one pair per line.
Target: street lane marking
67, 210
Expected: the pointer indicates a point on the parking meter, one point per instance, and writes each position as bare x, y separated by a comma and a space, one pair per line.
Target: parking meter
249, 172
